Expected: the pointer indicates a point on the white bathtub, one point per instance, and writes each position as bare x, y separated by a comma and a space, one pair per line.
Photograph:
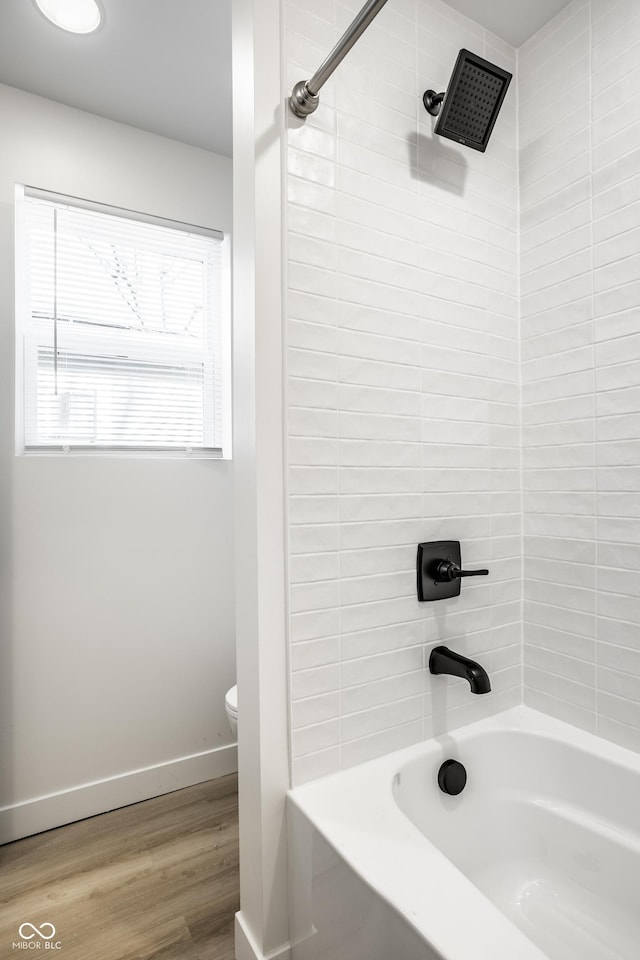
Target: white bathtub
537, 859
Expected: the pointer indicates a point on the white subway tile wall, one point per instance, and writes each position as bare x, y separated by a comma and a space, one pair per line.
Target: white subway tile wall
579, 104
403, 386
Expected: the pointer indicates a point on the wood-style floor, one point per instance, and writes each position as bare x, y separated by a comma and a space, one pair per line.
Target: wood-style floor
154, 881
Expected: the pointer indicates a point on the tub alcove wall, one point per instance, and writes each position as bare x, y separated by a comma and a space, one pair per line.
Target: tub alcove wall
580, 319
403, 386
429, 287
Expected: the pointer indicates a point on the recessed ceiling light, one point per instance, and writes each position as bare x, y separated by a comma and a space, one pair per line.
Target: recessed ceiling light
76, 16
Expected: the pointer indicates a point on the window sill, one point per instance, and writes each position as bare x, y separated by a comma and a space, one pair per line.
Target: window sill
161, 453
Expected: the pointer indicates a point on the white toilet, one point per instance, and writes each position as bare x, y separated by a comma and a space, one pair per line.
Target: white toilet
231, 706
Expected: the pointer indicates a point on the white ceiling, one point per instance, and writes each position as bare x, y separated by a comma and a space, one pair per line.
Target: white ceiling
513, 20
161, 65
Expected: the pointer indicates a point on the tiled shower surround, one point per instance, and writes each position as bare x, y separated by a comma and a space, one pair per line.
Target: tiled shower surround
403, 386
580, 321
406, 299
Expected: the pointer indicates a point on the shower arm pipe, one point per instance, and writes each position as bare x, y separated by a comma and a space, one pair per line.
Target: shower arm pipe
304, 97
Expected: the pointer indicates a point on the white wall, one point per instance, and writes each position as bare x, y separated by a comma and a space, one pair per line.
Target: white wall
403, 386
118, 606
580, 237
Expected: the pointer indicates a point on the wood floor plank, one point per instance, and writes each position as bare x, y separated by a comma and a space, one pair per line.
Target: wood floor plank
154, 881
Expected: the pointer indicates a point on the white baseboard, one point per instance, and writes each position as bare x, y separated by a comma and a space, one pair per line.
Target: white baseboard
43, 813
247, 948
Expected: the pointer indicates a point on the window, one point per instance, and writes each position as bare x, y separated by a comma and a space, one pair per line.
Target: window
123, 330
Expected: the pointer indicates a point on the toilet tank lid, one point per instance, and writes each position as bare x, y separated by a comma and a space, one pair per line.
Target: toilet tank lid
231, 699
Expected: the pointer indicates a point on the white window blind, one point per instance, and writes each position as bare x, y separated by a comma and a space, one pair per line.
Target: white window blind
122, 329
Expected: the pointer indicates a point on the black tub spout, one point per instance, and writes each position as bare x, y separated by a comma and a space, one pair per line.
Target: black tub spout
443, 660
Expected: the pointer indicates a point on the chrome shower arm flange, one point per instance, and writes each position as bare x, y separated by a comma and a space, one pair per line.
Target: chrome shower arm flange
302, 102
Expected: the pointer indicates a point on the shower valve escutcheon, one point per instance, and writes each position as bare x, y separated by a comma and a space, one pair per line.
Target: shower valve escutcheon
439, 569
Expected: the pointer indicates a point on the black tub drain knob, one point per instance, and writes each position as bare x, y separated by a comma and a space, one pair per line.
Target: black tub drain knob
452, 777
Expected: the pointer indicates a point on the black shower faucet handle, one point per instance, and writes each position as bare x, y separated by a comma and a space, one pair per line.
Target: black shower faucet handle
448, 570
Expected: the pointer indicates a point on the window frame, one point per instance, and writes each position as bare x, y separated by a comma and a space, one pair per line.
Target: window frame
26, 341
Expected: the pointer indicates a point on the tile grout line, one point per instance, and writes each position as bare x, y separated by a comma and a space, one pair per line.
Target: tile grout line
423, 636
520, 384
595, 380
340, 716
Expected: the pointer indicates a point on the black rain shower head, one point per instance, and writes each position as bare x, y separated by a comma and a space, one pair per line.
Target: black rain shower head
472, 101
